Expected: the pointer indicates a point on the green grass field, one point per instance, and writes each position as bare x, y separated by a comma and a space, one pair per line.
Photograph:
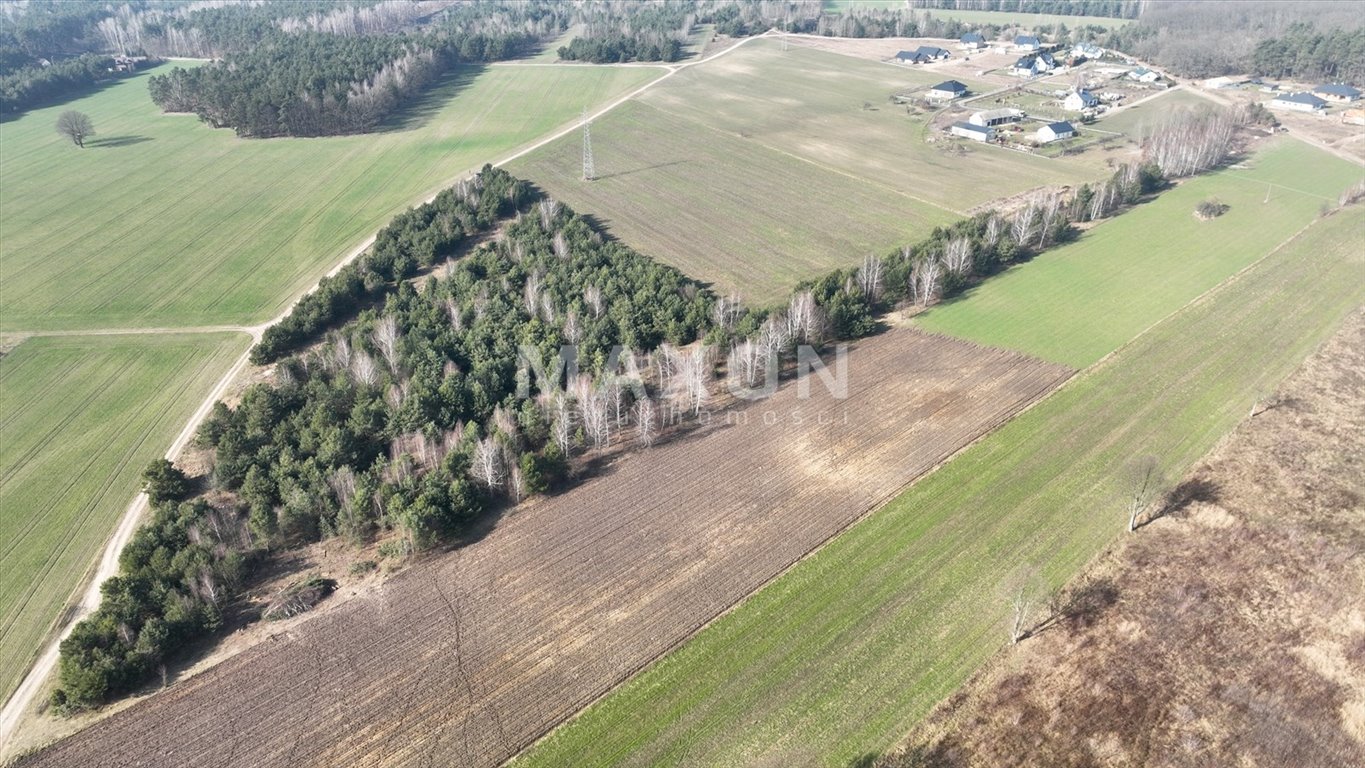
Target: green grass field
763, 167
79, 419
1003, 18
163, 221
837, 658
1076, 303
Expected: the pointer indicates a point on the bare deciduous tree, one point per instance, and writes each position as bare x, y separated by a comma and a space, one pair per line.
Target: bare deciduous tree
957, 257
1144, 485
924, 279
486, 463
386, 336
1023, 591
76, 126
870, 277
646, 422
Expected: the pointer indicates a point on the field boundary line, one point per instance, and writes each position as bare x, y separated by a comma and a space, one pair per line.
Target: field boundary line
15, 706
1071, 374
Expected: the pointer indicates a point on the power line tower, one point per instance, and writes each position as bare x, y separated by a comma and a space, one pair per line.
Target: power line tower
588, 171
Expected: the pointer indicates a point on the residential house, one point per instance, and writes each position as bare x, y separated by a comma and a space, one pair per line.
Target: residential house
911, 57
972, 41
933, 52
947, 91
972, 131
1055, 132
1034, 65
1339, 92
1027, 43
1298, 102
1086, 51
1144, 75
993, 117
1080, 100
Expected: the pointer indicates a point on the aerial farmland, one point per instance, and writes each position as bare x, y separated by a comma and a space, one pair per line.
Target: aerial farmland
684, 382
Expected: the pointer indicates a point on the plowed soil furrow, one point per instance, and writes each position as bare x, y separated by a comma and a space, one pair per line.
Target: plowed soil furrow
466, 658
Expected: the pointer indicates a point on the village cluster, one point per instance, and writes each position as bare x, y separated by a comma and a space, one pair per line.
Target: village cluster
1110, 82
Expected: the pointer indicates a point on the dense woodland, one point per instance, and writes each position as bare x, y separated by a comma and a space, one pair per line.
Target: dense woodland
1308, 39
319, 84
1114, 9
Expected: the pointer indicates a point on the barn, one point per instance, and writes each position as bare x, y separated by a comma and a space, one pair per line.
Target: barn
973, 132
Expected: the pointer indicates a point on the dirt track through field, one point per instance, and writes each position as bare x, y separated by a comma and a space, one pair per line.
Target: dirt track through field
468, 657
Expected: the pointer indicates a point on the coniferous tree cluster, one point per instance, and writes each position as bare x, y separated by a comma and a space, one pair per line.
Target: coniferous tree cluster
319, 84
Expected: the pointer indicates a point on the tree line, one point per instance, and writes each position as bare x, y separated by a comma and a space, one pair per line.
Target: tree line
319, 84
1114, 9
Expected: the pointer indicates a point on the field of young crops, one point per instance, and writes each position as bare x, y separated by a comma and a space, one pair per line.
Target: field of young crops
79, 419
164, 221
1076, 303
834, 660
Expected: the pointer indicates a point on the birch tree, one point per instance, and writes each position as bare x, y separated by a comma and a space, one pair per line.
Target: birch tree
487, 463
646, 421
1144, 485
386, 336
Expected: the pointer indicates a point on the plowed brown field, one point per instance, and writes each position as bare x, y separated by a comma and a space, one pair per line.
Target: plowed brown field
466, 658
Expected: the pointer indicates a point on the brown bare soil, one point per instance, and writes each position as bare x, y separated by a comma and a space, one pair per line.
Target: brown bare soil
1233, 631
468, 656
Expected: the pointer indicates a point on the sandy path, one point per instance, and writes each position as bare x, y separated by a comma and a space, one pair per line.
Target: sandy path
18, 703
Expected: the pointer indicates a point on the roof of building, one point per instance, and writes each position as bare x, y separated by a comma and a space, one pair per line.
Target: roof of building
1060, 127
972, 37
952, 86
974, 128
1338, 89
1302, 98
995, 114
1086, 96
1025, 40
933, 50
911, 55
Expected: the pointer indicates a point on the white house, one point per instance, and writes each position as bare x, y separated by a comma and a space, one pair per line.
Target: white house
947, 91
1339, 92
993, 117
1054, 132
1298, 102
1087, 51
1027, 43
1079, 101
1034, 64
1144, 75
973, 132
972, 41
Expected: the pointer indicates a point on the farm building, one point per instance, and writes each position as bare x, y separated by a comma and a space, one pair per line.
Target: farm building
1298, 102
1034, 64
972, 41
1144, 75
1055, 132
993, 117
1353, 117
1336, 92
1079, 101
1026, 43
947, 90
973, 132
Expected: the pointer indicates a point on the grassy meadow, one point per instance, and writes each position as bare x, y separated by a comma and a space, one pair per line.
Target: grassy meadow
80, 416
1076, 303
765, 167
836, 659
164, 221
